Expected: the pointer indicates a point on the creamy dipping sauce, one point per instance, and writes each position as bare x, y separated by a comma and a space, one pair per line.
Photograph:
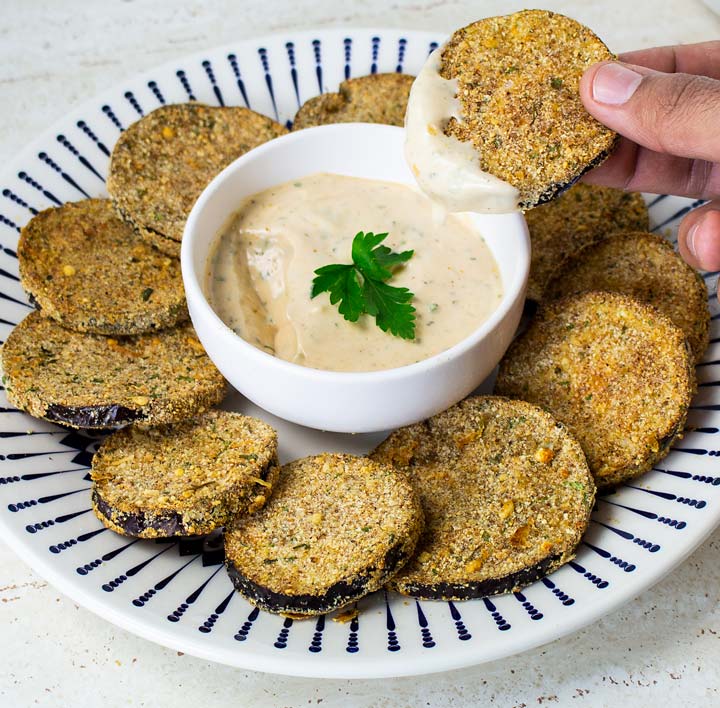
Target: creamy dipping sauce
262, 264
448, 169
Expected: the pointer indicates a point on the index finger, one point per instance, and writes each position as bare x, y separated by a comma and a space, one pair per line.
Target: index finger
638, 169
702, 59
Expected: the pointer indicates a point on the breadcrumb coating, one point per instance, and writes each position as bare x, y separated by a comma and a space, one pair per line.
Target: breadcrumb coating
506, 492
647, 267
617, 372
518, 84
336, 528
90, 271
162, 162
376, 98
581, 216
86, 380
189, 478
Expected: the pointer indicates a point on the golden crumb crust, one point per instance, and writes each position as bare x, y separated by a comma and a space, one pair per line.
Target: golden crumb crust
90, 381
581, 216
90, 271
376, 98
506, 493
167, 246
336, 528
647, 267
617, 372
162, 162
185, 479
518, 78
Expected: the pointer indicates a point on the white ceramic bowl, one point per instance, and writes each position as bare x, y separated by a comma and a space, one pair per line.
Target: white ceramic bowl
347, 402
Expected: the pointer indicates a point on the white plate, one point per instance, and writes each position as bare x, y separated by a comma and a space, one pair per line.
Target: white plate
177, 593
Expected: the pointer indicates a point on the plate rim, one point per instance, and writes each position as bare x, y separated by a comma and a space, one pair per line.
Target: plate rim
307, 667
91, 102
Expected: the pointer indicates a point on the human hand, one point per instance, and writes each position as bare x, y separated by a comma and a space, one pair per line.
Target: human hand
665, 102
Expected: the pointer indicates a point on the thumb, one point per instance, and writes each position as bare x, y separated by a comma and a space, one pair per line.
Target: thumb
669, 113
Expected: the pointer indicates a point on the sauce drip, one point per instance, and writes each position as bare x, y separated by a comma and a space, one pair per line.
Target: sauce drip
447, 169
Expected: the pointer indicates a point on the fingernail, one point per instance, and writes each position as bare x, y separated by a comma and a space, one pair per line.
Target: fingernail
690, 240
615, 84
703, 240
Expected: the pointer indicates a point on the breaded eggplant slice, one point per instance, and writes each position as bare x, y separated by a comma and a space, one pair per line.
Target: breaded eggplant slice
506, 493
518, 77
581, 216
161, 163
336, 528
377, 98
647, 267
90, 271
617, 372
185, 479
89, 381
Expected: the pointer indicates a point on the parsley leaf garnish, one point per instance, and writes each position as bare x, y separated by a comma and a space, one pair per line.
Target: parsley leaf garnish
360, 287
344, 284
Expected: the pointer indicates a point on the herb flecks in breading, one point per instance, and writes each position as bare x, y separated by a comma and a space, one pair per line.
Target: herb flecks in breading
184, 479
162, 162
491, 474
90, 271
579, 217
376, 98
336, 528
647, 267
620, 378
86, 380
518, 78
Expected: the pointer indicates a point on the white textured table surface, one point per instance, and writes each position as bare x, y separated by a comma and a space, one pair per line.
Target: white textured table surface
663, 647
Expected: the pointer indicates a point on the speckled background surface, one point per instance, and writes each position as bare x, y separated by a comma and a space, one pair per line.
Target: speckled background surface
663, 648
